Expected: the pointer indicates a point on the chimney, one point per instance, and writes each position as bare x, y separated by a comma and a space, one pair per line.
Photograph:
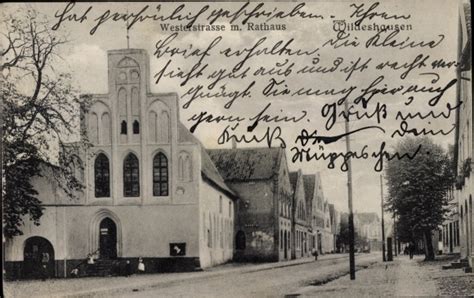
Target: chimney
234, 144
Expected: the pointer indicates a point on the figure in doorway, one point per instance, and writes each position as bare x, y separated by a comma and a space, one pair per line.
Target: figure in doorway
44, 265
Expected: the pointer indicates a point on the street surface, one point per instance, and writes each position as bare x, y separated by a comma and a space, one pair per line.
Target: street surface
263, 283
327, 277
400, 278
231, 280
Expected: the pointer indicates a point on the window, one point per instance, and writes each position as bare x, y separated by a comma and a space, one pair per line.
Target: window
131, 176
123, 127
230, 209
209, 232
281, 239
221, 234
102, 176
136, 127
160, 175
220, 204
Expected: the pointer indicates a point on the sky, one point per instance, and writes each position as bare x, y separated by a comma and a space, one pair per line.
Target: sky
85, 57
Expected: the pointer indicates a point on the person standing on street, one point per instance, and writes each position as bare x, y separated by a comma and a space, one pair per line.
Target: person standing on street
411, 249
141, 266
128, 269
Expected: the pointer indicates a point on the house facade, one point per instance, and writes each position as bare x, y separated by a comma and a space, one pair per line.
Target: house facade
300, 218
151, 190
464, 137
450, 242
314, 188
335, 220
327, 231
260, 177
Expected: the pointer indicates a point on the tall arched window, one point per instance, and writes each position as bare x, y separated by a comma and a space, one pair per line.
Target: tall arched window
152, 120
164, 127
106, 135
135, 102
131, 176
94, 128
160, 175
184, 167
102, 176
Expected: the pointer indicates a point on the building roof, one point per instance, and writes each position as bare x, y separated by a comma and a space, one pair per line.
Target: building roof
466, 56
293, 179
309, 182
208, 170
467, 14
246, 164
184, 136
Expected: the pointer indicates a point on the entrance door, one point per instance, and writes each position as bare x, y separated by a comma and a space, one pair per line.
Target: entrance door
286, 244
108, 239
38, 252
320, 244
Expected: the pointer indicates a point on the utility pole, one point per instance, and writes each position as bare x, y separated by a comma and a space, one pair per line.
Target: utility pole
395, 233
349, 196
383, 224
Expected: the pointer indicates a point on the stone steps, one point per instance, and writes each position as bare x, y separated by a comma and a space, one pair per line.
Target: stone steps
102, 268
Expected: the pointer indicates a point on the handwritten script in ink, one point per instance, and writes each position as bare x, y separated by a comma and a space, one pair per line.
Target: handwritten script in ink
293, 74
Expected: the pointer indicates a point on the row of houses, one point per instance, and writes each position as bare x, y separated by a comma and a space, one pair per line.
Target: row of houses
457, 233
153, 191
280, 215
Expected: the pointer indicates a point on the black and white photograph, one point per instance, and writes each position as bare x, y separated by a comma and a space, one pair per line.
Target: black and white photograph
237, 149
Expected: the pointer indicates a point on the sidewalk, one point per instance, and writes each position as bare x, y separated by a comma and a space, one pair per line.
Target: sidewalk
96, 285
402, 277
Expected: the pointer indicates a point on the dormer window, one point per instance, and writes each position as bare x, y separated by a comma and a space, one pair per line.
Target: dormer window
123, 127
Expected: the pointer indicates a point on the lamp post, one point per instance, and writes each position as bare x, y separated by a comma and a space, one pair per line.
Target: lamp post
383, 224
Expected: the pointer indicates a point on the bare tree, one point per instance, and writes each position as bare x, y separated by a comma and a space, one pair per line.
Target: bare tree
40, 110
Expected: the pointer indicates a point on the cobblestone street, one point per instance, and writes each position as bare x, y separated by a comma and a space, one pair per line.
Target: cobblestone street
234, 280
327, 277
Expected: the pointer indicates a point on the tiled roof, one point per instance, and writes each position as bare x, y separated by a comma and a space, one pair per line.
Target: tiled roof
244, 164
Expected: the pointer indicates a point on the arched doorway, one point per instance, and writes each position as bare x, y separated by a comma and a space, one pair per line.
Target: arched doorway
38, 252
107, 239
